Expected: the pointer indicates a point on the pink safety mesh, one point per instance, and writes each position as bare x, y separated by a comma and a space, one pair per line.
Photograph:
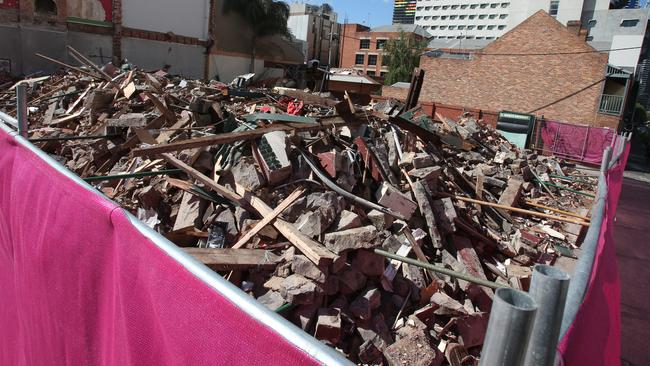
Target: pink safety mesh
79, 285
594, 338
582, 143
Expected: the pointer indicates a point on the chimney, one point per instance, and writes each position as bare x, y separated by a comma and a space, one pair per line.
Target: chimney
574, 27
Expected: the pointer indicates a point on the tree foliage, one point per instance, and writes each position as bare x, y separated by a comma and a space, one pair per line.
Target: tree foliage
640, 115
264, 17
402, 55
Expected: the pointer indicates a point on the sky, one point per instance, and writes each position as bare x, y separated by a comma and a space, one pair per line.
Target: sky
368, 12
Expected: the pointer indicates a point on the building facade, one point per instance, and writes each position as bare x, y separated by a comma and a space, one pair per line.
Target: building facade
317, 29
526, 71
195, 39
487, 20
404, 11
362, 48
621, 30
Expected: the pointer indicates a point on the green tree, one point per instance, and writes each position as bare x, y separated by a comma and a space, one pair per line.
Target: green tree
265, 17
402, 55
640, 115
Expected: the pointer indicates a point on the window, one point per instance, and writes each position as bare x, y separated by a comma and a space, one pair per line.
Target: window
462, 16
552, 10
381, 44
464, 6
472, 16
494, 5
629, 22
428, 8
359, 59
490, 27
385, 61
382, 74
503, 16
504, 5
453, 16
372, 60
483, 6
480, 27
502, 27
452, 27
454, 6
470, 27
427, 17
364, 44
473, 6
482, 16
461, 27
492, 16
371, 73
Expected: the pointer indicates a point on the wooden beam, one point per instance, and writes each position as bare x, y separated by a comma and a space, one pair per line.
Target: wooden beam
81, 58
313, 250
227, 138
227, 259
515, 209
562, 212
68, 66
223, 191
169, 115
310, 248
269, 218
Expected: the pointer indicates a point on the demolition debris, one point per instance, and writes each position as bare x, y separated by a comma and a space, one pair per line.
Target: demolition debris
377, 230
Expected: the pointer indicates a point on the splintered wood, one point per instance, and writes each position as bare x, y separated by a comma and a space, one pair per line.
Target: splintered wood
291, 195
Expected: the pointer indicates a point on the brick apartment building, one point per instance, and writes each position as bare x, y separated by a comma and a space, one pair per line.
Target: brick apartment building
193, 38
362, 48
539, 67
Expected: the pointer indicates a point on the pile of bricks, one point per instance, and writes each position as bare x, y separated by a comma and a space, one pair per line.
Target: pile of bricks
297, 198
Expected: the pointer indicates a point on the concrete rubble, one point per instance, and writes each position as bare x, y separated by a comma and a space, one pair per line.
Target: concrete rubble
209, 164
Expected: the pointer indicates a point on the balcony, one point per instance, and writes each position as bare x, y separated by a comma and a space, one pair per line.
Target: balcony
611, 104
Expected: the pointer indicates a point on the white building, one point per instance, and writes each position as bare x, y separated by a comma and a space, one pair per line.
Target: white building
312, 26
487, 20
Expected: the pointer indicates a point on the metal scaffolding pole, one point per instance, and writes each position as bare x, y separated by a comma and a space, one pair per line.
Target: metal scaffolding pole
549, 289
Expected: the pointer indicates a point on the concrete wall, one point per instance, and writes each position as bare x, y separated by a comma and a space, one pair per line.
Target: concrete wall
606, 32
19, 45
186, 60
186, 18
229, 67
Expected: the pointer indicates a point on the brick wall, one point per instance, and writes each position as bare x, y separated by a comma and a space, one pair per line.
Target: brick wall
351, 36
394, 93
493, 81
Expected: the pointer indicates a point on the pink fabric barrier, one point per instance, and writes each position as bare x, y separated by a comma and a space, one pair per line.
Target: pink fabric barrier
80, 285
583, 143
594, 338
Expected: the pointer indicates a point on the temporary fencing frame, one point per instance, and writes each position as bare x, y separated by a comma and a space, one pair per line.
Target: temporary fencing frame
82, 281
139, 299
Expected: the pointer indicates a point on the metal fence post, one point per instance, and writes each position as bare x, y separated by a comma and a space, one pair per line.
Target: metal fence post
549, 289
582, 272
21, 109
508, 332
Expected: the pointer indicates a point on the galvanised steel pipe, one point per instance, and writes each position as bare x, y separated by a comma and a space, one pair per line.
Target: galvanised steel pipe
21, 109
549, 289
582, 272
511, 322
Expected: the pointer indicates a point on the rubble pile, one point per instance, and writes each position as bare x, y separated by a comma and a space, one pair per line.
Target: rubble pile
296, 198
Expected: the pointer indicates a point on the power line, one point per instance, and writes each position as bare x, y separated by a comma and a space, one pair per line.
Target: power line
478, 52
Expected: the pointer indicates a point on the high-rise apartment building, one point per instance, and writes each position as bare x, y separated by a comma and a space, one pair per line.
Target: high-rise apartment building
486, 20
404, 11
317, 29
